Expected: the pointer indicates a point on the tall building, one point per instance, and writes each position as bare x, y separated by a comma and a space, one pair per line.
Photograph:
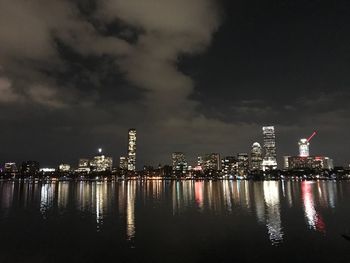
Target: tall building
243, 164
179, 162
256, 157
304, 148
270, 157
123, 163
132, 150
209, 162
229, 165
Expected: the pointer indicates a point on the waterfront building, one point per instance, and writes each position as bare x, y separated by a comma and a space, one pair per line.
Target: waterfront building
304, 148
270, 157
123, 163
209, 162
83, 166
179, 163
101, 163
256, 157
10, 167
64, 167
47, 170
84, 163
310, 162
286, 162
30, 167
132, 150
243, 164
229, 165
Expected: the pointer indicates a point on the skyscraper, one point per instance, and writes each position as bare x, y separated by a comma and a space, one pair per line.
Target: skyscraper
243, 164
229, 165
179, 163
132, 150
209, 162
304, 148
270, 160
123, 163
256, 156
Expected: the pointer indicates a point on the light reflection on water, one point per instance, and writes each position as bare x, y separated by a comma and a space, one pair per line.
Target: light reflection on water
262, 200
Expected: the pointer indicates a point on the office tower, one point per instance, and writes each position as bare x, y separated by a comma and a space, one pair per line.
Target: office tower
179, 164
229, 165
304, 148
256, 156
132, 150
209, 162
270, 158
243, 164
123, 163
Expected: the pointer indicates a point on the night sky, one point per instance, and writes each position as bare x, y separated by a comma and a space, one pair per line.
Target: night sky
195, 76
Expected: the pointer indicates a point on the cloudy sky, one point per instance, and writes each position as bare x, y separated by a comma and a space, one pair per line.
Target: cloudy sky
190, 75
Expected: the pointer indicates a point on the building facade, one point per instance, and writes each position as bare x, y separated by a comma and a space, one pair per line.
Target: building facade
209, 162
179, 163
310, 162
304, 148
270, 156
243, 164
132, 150
229, 165
256, 157
30, 168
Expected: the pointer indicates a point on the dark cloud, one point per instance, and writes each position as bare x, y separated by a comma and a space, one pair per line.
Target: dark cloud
194, 76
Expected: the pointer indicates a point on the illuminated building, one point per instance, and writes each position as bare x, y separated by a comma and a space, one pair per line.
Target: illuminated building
10, 168
304, 148
47, 170
229, 165
286, 162
256, 156
64, 167
84, 163
83, 166
209, 162
243, 164
30, 168
270, 157
179, 163
101, 163
310, 162
123, 163
132, 150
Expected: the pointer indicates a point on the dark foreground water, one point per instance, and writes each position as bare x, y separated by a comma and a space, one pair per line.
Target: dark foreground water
175, 221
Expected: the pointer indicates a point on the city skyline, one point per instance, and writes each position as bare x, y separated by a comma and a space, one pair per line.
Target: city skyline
258, 158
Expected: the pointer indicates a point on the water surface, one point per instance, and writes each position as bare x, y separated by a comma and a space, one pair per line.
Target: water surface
175, 221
